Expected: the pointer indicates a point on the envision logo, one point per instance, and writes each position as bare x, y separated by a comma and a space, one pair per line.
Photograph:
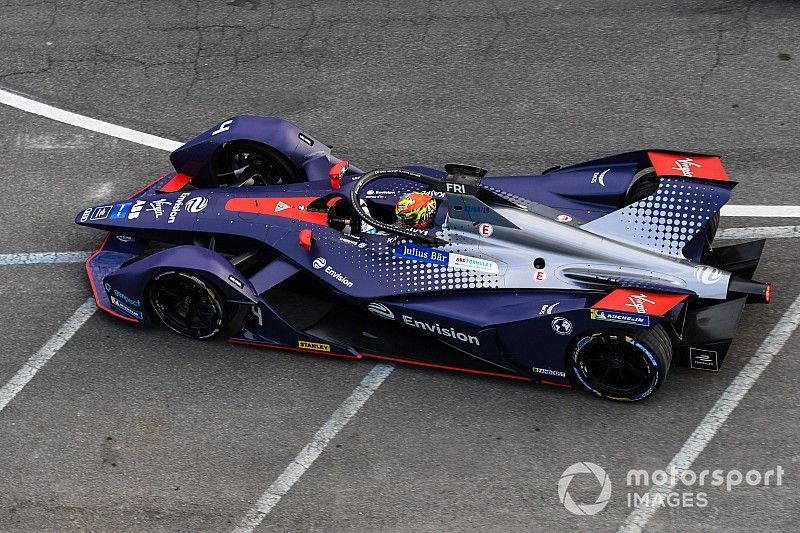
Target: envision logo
380, 310
443, 331
196, 204
341, 278
320, 262
707, 275
587, 509
176, 207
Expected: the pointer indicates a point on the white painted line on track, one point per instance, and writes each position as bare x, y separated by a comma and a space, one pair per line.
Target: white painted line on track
313, 449
92, 124
46, 352
43, 258
635, 522
37, 108
767, 232
40, 258
763, 211
717, 416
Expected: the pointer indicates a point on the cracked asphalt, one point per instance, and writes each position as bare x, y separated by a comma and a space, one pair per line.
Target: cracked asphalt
132, 430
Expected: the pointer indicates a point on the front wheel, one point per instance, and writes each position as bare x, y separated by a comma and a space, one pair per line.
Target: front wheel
191, 306
624, 365
242, 163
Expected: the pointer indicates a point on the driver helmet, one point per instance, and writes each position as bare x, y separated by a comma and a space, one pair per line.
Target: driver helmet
416, 210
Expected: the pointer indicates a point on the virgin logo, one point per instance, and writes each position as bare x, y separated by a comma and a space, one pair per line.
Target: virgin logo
637, 301
685, 166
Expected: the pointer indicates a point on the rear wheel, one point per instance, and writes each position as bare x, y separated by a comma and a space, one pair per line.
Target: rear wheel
623, 365
191, 306
643, 184
244, 163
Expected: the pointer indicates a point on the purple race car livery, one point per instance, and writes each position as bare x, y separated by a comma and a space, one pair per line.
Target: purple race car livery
601, 274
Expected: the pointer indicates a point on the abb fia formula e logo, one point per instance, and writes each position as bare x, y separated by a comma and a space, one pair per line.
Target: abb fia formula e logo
585, 509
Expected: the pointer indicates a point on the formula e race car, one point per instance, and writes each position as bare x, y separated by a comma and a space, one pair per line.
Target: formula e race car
601, 274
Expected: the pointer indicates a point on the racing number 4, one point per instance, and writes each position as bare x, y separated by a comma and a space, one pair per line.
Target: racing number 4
225, 126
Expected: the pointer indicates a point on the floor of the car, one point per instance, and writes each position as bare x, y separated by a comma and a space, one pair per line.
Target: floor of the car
300, 301
391, 340
310, 306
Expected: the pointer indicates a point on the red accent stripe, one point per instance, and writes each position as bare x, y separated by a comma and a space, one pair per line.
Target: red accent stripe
555, 384
306, 238
693, 166
381, 357
401, 360
178, 182
445, 367
270, 206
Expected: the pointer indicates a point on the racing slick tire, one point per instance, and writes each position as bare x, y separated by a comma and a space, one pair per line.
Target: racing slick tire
192, 306
250, 163
643, 184
625, 365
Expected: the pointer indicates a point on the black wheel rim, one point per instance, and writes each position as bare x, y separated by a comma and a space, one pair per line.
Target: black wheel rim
249, 167
186, 305
617, 366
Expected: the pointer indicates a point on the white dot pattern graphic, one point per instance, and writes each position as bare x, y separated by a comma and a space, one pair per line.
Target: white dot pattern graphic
669, 218
402, 276
519, 200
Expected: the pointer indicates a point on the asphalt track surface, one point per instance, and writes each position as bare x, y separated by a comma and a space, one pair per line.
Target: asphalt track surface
131, 430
